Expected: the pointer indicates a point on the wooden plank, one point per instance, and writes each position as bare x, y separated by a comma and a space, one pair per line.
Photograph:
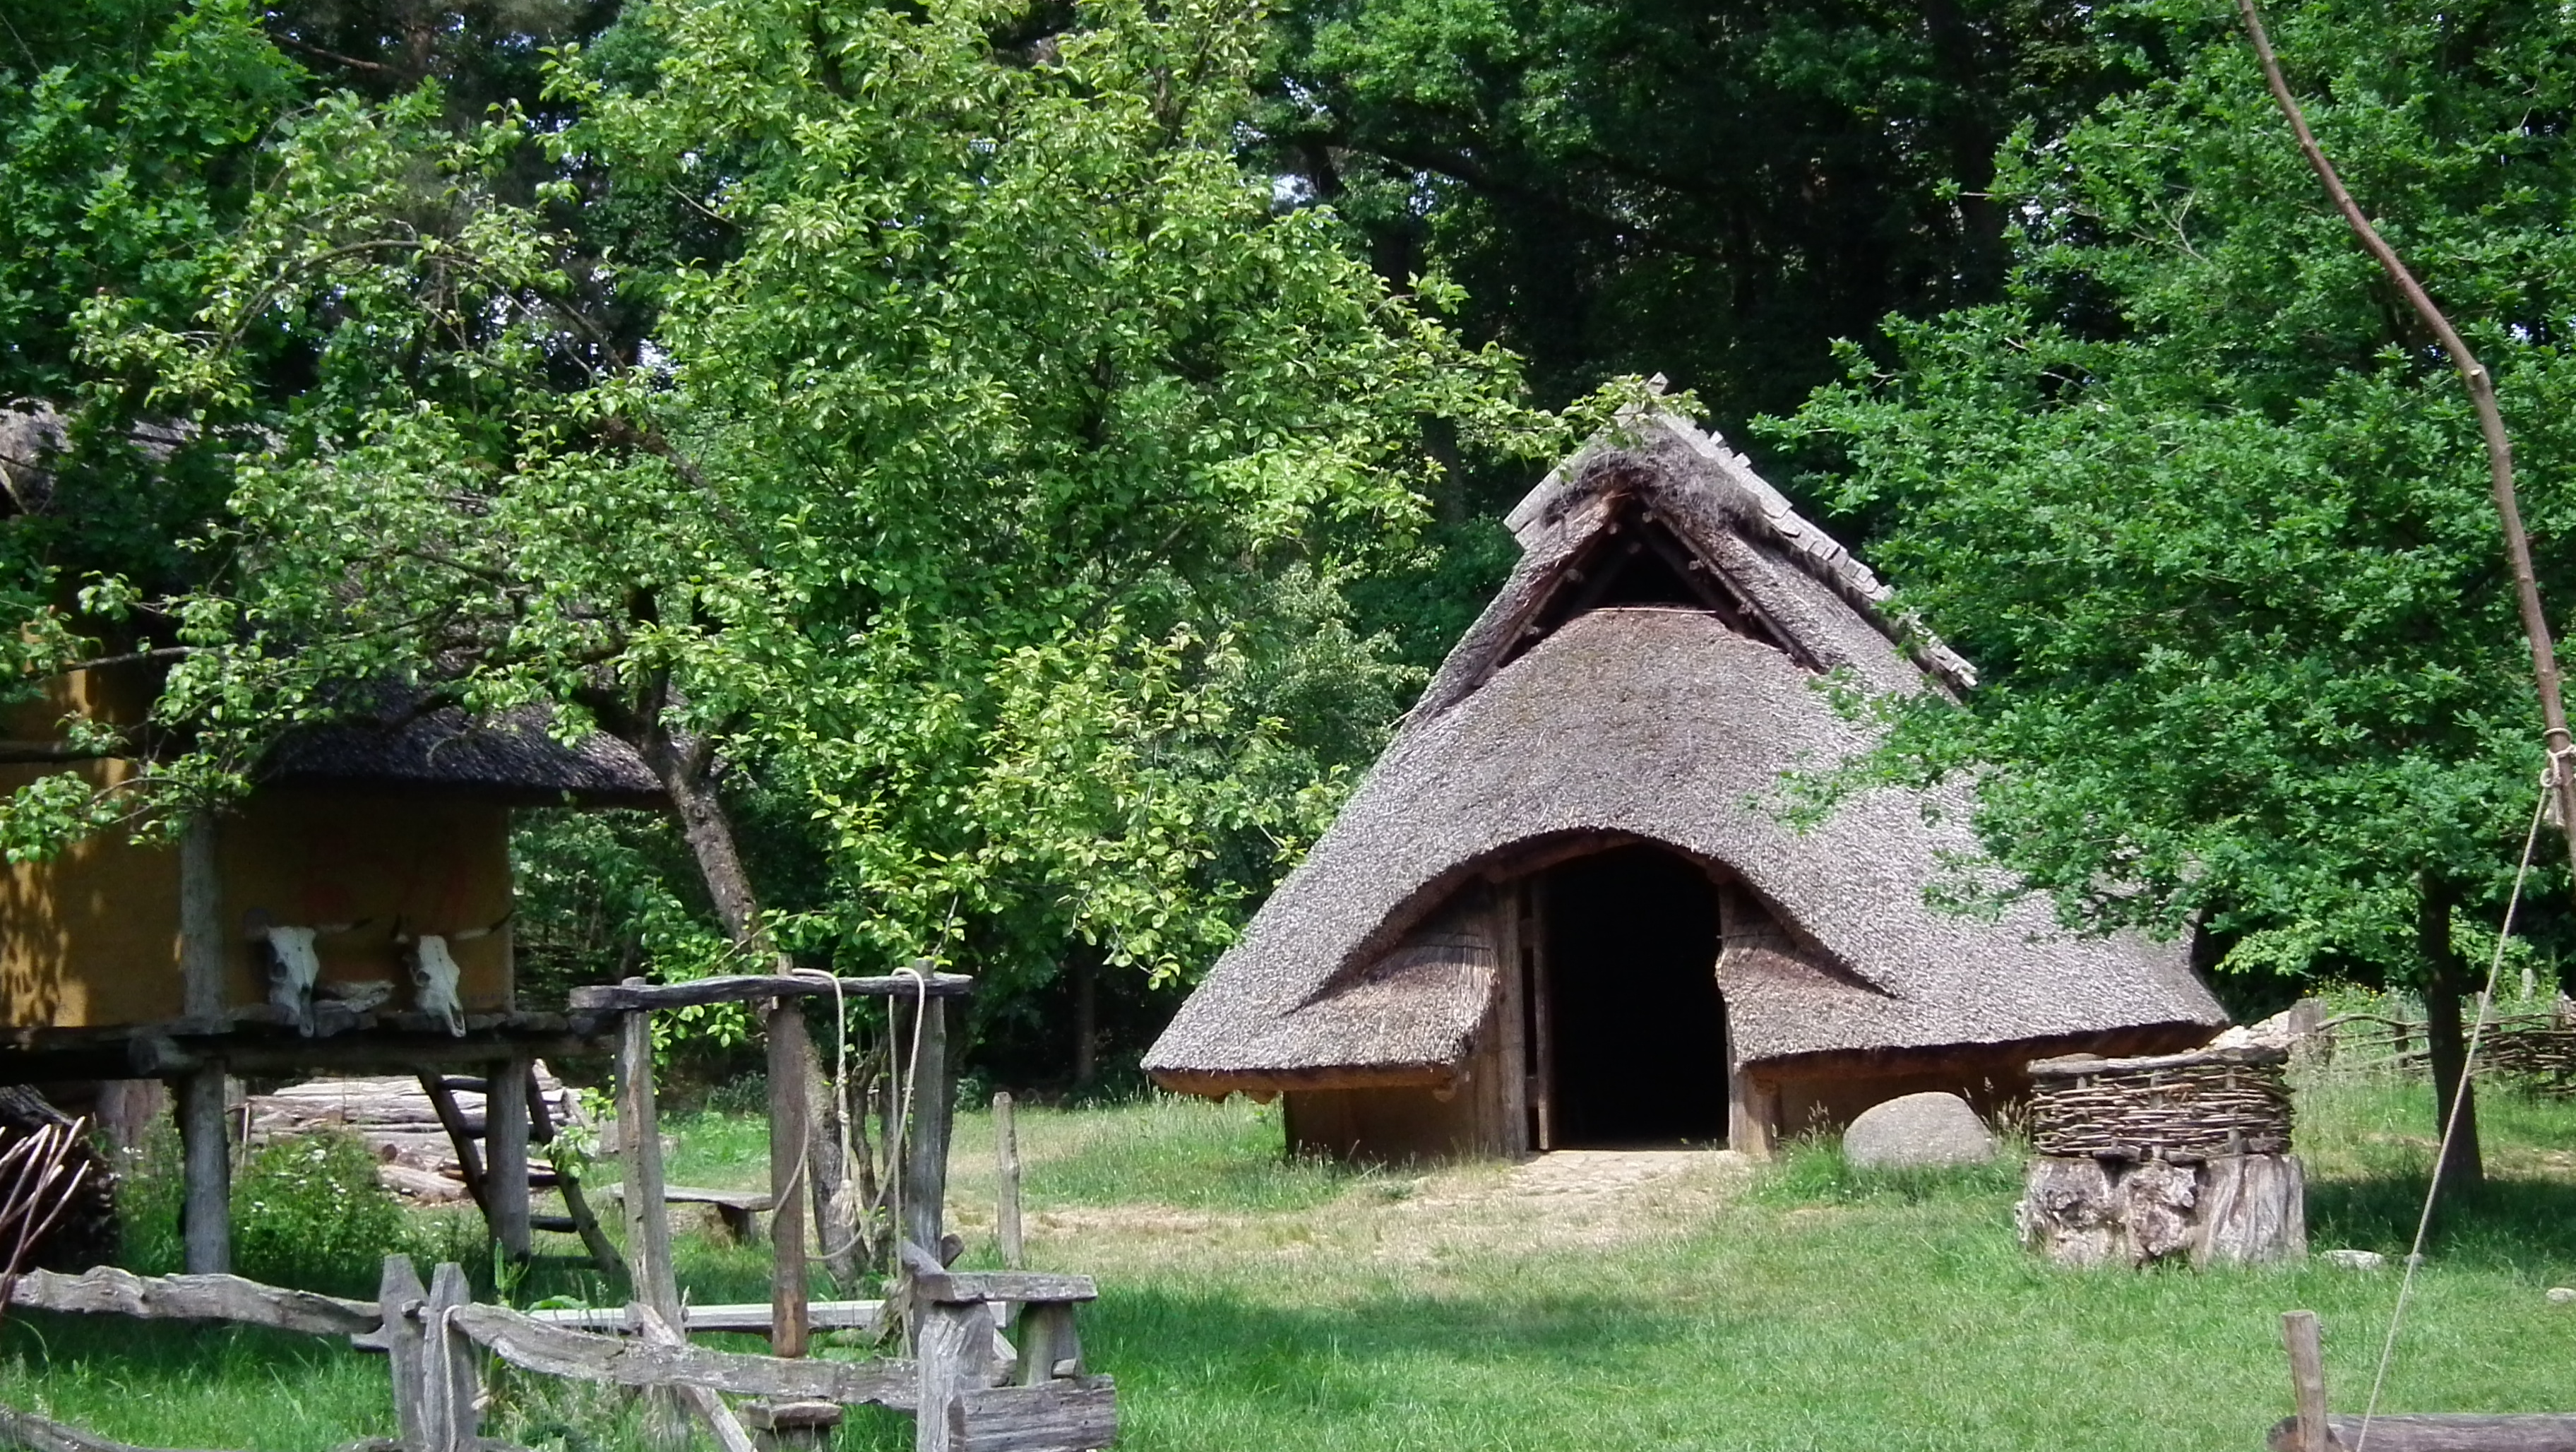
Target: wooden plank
1006, 1214
192, 1298
790, 1097
43, 1434
2307, 1378
635, 993
751, 1317
1511, 1026
710, 1407
925, 1135
934, 1283
206, 1172
639, 1146
452, 1373
505, 1145
2536, 1432
1059, 1416
559, 1351
956, 1357
399, 1297
1542, 1083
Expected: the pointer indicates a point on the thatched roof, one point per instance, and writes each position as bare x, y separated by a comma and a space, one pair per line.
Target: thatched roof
512, 757
1553, 724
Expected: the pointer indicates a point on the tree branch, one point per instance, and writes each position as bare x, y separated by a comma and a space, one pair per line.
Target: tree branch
2517, 544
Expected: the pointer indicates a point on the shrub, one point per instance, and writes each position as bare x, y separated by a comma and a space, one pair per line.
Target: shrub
308, 1212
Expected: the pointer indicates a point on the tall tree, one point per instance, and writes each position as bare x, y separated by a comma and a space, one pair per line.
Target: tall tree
986, 494
2206, 501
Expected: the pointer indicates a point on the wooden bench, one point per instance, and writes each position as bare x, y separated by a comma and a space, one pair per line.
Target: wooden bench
740, 1210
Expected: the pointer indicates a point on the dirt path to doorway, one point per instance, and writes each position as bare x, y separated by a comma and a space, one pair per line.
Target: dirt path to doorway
1572, 1200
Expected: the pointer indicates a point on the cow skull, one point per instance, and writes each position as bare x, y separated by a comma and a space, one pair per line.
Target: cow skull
434, 971
294, 967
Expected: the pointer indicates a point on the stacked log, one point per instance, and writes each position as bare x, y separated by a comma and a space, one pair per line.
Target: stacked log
2179, 1156
395, 1118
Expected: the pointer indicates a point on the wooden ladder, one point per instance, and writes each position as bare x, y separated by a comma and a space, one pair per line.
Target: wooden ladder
468, 1140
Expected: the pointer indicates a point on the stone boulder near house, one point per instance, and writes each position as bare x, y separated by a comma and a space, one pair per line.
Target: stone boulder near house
1919, 1131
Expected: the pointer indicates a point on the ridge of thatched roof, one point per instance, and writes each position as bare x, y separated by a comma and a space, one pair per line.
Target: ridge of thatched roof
1672, 725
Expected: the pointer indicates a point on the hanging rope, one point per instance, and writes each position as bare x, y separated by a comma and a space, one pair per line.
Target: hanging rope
2459, 1097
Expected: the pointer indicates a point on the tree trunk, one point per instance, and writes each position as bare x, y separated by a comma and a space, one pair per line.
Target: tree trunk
680, 762
1086, 1015
2446, 982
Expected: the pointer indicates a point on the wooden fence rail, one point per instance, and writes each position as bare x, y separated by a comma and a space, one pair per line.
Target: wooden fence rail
193, 1298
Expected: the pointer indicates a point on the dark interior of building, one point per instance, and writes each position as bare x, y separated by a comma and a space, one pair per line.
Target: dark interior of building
1638, 1027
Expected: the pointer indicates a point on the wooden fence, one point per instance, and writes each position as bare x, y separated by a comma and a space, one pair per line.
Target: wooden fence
969, 1387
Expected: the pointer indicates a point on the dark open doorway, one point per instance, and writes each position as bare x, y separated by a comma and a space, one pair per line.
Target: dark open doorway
1636, 1029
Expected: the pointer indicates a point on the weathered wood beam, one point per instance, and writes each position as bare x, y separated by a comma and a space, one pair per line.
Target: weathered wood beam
558, 1351
924, 1151
43, 1434
2536, 1432
634, 994
639, 1146
931, 1282
1072, 1415
751, 1317
505, 1157
192, 1298
1006, 1208
720, 1420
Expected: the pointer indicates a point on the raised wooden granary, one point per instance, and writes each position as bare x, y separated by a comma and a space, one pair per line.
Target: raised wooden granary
351, 913
1569, 905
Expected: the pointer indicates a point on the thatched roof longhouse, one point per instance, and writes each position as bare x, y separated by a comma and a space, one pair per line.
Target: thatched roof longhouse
1561, 721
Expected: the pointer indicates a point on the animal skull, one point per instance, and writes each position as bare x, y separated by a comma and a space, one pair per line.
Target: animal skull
433, 976
293, 967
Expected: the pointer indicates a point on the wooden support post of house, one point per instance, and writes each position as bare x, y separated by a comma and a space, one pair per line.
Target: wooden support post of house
1006, 1210
925, 1146
505, 1155
205, 1151
639, 1148
790, 1101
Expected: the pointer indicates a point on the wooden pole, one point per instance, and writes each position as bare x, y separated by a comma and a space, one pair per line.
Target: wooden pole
639, 1148
1006, 1217
2481, 389
505, 1155
2307, 1378
206, 1156
925, 1146
790, 1099
205, 1144
399, 1297
452, 1366
711, 1409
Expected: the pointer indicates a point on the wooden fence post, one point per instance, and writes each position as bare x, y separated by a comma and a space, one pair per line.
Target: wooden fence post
1006, 1218
206, 1172
451, 1367
790, 1098
399, 1298
925, 1147
639, 1147
956, 1356
505, 1154
2307, 1378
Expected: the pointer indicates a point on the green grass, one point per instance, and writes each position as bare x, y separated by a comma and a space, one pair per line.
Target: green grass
1249, 1302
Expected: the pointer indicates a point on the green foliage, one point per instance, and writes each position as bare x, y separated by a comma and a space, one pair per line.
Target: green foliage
308, 1212
2213, 515
1811, 1170
1711, 191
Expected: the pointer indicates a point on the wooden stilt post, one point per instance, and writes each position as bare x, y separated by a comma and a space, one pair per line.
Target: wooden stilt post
505, 1155
790, 1098
1006, 1219
925, 1146
206, 1216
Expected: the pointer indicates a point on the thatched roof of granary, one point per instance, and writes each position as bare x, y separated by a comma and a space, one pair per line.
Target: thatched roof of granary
1558, 723
512, 757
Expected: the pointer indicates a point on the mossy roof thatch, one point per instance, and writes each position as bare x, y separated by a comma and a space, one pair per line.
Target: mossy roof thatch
1551, 723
